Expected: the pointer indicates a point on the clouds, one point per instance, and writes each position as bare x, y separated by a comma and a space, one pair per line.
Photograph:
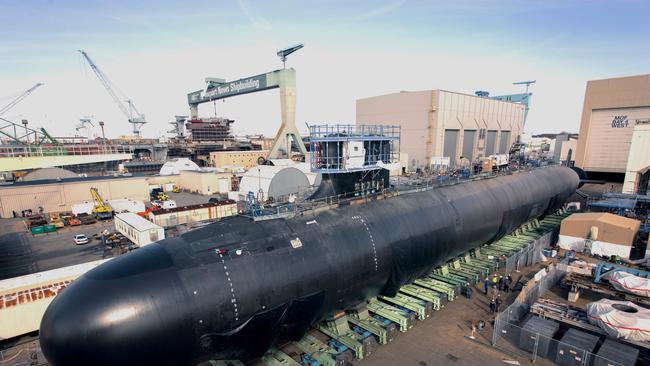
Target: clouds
158, 52
382, 10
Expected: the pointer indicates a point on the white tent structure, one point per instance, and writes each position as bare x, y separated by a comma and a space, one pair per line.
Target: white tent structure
175, 166
267, 181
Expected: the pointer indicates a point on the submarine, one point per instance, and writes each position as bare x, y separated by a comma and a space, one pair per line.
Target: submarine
235, 288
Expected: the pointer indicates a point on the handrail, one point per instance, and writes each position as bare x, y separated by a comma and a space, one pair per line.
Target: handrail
11, 151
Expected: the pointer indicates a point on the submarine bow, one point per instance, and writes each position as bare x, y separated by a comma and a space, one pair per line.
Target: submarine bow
233, 289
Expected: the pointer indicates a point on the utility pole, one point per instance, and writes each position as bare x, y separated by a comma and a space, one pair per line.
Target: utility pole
101, 124
24, 122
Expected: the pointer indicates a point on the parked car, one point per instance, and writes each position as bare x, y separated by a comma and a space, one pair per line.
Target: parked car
80, 239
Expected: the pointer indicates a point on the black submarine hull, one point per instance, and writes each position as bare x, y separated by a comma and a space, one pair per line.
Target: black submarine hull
233, 289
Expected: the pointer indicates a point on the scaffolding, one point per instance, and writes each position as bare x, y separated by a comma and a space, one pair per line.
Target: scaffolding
344, 148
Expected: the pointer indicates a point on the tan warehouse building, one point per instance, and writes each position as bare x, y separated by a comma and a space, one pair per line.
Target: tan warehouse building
439, 123
58, 196
229, 159
611, 110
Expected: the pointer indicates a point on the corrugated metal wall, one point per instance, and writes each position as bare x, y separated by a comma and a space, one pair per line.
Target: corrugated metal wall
504, 142
491, 142
61, 196
425, 118
469, 138
470, 113
609, 139
451, 140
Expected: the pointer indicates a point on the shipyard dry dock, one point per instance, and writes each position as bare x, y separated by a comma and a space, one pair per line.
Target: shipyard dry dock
233, 289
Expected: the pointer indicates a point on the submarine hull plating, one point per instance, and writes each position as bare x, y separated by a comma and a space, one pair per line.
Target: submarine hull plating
232, 289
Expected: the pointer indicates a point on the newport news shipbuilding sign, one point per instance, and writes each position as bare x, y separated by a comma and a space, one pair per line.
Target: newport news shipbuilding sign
237, 87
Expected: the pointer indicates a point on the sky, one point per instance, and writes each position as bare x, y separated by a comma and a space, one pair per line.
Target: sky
157, 52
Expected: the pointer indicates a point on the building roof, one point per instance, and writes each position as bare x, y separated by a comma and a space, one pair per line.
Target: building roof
610, 228
175, 166
232, 152
604, 217
192, 207
401, 92
48, 173
69, 180
137, 221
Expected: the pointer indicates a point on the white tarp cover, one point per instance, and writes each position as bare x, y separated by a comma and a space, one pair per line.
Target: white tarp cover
628, 282
621, 319
597, 247
172, 167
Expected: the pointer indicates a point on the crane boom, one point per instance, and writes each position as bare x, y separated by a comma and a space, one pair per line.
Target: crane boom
102, 209
22, 96
138, 120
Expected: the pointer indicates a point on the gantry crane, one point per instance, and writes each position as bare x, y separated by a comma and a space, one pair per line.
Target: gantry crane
135, 118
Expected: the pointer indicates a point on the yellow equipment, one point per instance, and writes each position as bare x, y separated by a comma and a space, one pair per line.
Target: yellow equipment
55, 220
176, 189
102, 210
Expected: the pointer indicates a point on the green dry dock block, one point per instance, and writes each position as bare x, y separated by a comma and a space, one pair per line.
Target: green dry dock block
450, 290
425, 294
226, 363
422, 309
275, 357
384, 332
403, 318
339, 329
319, 351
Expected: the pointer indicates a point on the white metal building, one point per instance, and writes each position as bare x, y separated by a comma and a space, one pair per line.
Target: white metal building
440, 123
138, 229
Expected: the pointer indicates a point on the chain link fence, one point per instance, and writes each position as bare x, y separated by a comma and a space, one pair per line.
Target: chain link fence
530, 254
509, 330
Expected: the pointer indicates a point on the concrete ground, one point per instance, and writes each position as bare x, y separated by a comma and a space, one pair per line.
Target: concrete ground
443, 339
22, 253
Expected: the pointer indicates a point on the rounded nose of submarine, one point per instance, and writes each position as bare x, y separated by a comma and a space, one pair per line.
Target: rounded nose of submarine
129, 305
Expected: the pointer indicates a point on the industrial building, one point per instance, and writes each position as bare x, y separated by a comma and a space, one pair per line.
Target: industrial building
195, 213
59, 195
612, 109
244, 159
605, 233
439, 123
205, 182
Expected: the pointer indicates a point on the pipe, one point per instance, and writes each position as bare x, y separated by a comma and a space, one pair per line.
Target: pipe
233, 289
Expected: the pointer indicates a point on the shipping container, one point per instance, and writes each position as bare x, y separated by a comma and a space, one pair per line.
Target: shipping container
138, 229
